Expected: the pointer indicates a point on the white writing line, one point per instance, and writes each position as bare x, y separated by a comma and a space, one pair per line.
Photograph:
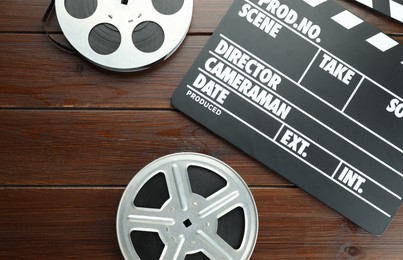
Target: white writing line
309, 66
278, 132
352, 94
230, 113
337, 169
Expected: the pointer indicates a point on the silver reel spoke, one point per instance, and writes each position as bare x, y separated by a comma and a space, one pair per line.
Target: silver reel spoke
194, 217
178, 184
124, 35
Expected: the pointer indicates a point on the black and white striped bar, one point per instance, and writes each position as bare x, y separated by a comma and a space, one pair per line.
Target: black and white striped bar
392, 8
313, 92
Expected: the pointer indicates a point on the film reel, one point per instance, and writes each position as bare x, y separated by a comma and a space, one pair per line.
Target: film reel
187, 206
124, 35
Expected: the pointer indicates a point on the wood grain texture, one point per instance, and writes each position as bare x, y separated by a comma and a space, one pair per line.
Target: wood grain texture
20, 16
105, 147
292, 224
46, 76
72, 136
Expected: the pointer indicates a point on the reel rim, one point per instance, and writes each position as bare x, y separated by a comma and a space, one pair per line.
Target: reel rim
127, 58
243, 200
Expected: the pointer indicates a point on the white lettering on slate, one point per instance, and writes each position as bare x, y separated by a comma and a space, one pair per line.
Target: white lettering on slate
336, 69
210, 88
351, 179
295, 143
395, 106
260, 20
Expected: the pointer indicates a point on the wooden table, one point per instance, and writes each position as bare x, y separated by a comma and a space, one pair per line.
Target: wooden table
72, 136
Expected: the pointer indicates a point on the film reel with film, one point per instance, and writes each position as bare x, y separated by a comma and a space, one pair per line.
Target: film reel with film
124, 35
187, 206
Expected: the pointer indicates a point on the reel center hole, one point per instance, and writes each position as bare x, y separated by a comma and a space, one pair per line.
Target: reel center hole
187, 223
124, 2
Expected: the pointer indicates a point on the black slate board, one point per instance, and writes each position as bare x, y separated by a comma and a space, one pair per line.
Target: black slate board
311, 91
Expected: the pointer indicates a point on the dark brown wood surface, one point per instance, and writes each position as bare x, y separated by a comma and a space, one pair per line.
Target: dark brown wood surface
72, 136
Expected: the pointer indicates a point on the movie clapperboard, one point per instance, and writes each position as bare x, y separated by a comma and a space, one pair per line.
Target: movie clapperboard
314, 93
392, 8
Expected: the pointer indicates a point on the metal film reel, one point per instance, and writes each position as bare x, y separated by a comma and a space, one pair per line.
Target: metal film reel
187, 206
124, 35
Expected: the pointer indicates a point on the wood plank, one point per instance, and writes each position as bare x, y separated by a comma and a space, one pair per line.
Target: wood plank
58, 223
30, 78
105, 147
24, 16
83, 132
347, 250
46, 76
80, 223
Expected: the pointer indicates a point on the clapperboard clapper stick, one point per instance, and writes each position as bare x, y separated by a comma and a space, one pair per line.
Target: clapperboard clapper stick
391, 8
313, 92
